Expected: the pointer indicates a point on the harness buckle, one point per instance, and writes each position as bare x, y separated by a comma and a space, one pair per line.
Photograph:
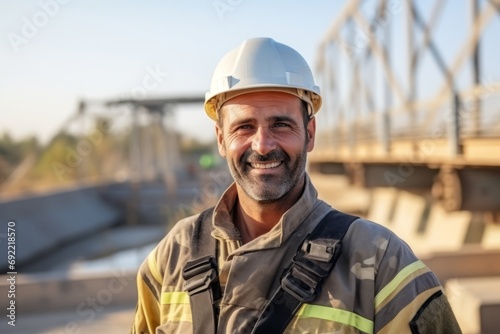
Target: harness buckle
320, 252
303, 278
199, 274
298, 288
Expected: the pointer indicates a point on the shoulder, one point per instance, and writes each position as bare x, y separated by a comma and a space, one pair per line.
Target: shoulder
372, 235
361, 225
367, 235
402, 284
394, 263
172, 252
179, 237
369, 244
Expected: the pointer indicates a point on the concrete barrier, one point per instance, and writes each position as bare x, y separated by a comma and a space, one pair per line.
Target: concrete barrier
444, 232
81, 293
407, 216
420, 223
476, 303
381, 203
491, 237
43, 223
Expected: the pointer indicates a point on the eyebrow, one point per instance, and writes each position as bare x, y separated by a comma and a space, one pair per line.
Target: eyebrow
283, 118
241, 121
271, 119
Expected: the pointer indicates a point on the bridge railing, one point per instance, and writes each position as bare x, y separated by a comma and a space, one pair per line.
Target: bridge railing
450, 92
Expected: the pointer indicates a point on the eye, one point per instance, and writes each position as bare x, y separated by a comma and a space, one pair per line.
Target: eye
281, 125
243, 128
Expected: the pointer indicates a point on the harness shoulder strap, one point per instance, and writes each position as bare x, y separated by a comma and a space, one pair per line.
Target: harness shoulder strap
310, 266
201, 276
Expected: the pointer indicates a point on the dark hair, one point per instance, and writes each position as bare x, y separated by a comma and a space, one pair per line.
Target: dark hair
306, 117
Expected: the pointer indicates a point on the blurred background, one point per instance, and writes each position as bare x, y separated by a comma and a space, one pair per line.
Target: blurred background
104, 143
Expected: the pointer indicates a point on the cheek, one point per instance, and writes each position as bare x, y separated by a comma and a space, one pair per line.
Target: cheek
234, 146
237, 146
294, 143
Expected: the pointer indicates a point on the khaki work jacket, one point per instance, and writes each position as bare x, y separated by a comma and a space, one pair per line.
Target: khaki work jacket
377, 286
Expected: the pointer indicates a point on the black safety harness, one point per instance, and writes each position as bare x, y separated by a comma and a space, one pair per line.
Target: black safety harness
301, 282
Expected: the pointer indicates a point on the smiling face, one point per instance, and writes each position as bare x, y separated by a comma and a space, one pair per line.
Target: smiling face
264, 140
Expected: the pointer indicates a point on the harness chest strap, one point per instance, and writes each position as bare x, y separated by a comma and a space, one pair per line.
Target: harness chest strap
201, 276
301, 283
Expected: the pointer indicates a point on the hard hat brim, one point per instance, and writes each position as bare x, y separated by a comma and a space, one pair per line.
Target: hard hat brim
214, 103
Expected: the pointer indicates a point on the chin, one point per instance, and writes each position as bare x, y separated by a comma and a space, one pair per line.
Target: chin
266, 197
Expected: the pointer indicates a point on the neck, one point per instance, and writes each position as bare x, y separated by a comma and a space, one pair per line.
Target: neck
254, 218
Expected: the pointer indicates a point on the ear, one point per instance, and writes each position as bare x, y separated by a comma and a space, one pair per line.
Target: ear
220, 140
311, 133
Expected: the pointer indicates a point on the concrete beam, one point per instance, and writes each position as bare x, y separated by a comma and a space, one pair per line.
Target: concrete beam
336, 168
470, 188
401, 176
464, 263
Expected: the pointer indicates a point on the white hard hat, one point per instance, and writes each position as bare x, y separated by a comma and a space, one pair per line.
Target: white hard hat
261, 64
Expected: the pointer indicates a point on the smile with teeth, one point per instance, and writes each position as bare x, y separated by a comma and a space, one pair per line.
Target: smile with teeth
261, 165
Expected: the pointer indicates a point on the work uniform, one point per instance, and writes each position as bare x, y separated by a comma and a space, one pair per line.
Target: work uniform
377, 286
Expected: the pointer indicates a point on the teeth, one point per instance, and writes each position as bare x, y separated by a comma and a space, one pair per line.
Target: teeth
267, 165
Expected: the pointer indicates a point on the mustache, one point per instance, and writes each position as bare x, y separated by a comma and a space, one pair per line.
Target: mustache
251, 156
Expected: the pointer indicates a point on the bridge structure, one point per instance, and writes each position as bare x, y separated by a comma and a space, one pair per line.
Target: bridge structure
432, 122
411, 115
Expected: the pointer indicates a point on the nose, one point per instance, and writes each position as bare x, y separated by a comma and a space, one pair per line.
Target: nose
263, 141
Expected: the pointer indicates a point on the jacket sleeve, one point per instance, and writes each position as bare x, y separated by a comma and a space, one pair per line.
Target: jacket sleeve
435, 317
409, 297
147, 315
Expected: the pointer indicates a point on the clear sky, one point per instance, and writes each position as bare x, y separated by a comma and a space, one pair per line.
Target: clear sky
55, 52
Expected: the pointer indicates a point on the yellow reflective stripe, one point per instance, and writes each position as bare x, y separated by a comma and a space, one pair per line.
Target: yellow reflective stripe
152, 268
174, 298
176, 307
337, 315
399, 324
401, 276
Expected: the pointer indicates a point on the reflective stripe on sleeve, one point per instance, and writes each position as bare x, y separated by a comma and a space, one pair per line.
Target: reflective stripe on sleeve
400, 324
175, 307
174, 298
396, 281
337, 315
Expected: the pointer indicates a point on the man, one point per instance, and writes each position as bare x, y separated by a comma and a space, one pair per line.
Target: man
263, 100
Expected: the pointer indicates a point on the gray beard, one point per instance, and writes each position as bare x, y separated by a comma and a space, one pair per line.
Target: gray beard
268, 188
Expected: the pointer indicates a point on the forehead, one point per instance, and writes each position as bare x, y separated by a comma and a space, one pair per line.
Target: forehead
260, 103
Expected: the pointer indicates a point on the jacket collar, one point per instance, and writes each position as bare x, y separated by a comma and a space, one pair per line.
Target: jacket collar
291, 219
